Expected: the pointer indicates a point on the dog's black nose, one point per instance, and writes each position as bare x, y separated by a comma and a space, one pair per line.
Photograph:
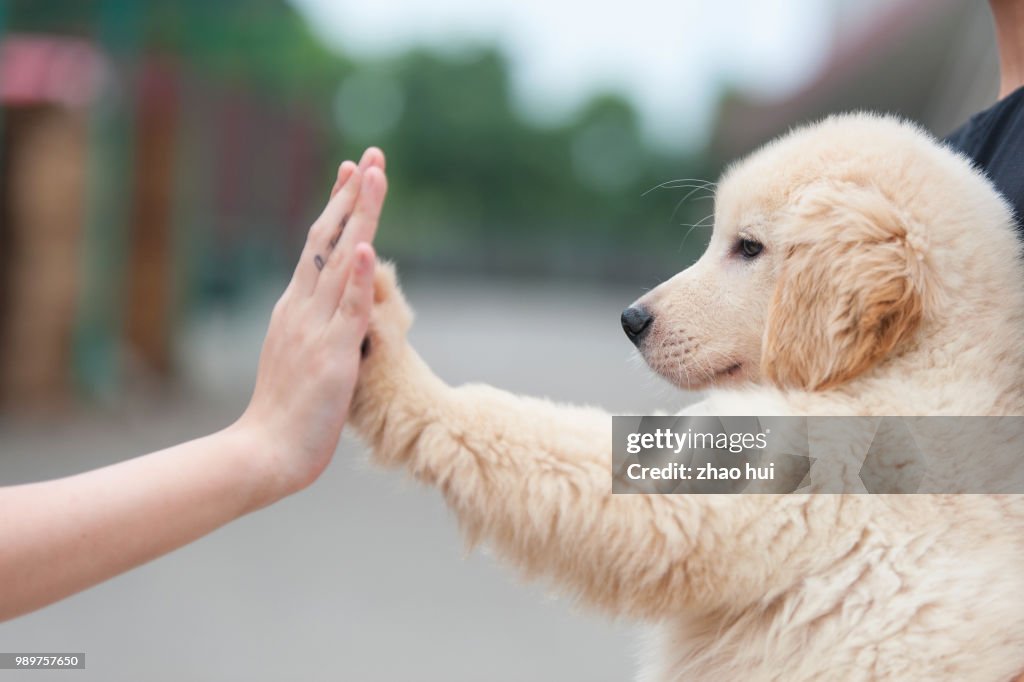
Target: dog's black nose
636, 322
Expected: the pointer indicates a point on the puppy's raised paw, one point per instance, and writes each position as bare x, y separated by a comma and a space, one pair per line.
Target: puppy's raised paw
391, 316
389, 367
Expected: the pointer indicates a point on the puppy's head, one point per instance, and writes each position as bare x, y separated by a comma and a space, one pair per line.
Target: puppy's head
815, 271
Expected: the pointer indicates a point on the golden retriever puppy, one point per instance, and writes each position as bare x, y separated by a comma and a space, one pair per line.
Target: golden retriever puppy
856, 268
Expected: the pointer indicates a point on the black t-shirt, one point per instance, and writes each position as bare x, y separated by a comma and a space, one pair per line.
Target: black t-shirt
994, 139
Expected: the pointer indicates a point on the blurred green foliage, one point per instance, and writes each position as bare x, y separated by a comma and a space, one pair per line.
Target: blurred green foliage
473, 184
471, 179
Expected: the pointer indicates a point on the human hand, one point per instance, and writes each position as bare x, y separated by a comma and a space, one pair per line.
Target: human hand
310, 358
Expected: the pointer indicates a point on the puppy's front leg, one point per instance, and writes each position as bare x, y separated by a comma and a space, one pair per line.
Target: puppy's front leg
533, 479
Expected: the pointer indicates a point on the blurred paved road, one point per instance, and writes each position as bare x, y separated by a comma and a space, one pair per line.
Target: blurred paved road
363, 576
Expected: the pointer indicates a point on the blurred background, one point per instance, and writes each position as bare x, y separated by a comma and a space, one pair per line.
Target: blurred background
160, 163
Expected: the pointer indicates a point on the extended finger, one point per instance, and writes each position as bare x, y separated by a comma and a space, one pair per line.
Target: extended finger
362, 226
373, 156
324, 233
344, 173
353, 312
330, 285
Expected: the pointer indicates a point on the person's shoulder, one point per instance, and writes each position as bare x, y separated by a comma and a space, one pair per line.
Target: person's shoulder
987, 122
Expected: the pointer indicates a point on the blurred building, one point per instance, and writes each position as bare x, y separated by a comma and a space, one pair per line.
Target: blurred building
105, 141
46, 87
932, 61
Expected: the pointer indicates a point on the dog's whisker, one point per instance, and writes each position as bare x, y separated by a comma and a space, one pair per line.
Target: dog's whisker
689, 195
710, 190
675, 210
700, 223
683, 200
679, 204
682, 243
671, 184
694, 226
694, 189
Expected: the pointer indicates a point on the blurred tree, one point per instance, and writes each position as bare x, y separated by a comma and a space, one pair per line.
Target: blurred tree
474, 185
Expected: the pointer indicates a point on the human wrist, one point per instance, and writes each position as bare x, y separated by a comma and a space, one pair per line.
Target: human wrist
255, 459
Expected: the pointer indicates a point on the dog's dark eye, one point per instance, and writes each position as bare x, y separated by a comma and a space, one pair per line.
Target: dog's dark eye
748, 248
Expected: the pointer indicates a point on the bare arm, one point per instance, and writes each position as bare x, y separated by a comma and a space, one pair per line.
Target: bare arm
1009, 20
59, 537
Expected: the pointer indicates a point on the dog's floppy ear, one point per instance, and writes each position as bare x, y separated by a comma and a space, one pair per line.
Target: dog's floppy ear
849, 287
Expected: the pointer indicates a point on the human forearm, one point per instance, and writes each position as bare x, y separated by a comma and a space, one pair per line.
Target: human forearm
59, 537
1009, 21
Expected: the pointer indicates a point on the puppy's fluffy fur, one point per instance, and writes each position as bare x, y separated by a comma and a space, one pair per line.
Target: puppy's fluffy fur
889, 284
